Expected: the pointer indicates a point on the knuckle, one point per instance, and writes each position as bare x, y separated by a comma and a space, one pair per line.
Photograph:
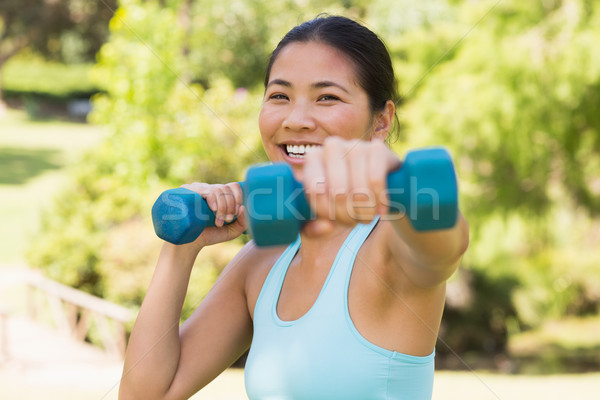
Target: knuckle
316, 187
376, 183
377, 145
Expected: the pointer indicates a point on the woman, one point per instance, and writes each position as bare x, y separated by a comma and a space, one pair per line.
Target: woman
352, 309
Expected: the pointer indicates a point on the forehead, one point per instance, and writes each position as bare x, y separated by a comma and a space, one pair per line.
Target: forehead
313, 61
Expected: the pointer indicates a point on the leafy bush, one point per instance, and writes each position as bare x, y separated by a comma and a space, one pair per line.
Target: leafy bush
31, 75
513, 101
513, 96
165, 130
164, 133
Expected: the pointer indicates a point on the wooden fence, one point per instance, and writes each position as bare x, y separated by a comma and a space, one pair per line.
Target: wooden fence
75, 312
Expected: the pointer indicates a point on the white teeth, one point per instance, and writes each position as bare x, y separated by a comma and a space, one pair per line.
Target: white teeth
298, 151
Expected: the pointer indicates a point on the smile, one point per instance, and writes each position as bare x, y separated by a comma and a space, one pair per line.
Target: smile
299, 151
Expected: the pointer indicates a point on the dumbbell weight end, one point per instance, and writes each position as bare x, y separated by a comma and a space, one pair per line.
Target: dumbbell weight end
180, 215
425, 190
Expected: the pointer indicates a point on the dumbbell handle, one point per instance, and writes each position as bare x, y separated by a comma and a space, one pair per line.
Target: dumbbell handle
180, 215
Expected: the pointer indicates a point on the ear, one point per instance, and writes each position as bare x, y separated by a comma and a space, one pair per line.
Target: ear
383, 121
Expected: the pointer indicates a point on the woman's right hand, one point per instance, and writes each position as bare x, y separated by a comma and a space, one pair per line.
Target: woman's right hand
226, 202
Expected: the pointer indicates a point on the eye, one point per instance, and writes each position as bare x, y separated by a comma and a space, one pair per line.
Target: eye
328, 97
278, 96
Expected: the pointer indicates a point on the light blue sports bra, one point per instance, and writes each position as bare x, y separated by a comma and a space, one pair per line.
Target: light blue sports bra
321, 355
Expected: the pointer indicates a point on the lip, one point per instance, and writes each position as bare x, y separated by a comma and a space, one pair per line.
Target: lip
293, 160
288, 159
299, 142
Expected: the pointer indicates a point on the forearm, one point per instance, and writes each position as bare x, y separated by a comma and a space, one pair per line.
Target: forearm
153, 351
434, 250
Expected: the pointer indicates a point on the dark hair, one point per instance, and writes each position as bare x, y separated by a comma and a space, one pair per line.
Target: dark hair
366, 50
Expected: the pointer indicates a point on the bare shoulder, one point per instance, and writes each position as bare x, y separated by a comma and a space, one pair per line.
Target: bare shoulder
252, 265
382, 292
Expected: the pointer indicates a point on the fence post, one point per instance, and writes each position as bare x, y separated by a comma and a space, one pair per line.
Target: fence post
74, 312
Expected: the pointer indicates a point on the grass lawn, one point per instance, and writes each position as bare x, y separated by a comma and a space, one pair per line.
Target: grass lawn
448, 386
33, 160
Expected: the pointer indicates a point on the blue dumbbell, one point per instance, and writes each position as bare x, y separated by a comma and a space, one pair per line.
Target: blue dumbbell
424, 189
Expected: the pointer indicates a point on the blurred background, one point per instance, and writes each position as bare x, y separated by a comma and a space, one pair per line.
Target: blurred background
106, 103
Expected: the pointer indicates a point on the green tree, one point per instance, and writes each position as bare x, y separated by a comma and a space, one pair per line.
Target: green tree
68, 30
515, 97
518, 98
511, 88
174, 115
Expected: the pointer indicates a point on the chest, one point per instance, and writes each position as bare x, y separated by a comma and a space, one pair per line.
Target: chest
370, 292
303, 285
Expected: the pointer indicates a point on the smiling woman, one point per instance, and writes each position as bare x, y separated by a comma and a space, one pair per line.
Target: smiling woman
352, 308
302, 106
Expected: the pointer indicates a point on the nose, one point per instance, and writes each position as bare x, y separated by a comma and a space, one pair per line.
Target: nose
299, 118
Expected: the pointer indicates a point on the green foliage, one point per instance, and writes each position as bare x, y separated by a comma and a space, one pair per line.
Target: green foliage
31, 75
511, 88
478, 312
235, 39
516, 105
68, 30
515, 97
164, 133
570, 339
62, 30
165, 130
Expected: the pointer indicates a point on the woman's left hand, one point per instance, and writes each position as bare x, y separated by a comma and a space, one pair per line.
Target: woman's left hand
346, 182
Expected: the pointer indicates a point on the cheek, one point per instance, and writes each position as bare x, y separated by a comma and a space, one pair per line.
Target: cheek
349, 124
267, 123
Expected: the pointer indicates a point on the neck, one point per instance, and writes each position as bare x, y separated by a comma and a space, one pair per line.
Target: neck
317, 251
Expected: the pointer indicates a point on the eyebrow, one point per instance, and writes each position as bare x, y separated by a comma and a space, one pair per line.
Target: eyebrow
316, 85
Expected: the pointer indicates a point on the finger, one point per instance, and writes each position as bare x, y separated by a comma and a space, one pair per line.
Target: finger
238, 227
315, 184
361, 203
378, 166
383, 169
211, 200
203, 189
230, 203
221, 205
335, 158
241, 218
206, 191
238, 194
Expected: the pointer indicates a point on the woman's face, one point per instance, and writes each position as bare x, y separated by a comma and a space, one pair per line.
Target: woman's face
312, 93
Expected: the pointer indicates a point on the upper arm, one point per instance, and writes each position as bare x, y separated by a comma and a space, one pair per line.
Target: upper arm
217, 333
438, 255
